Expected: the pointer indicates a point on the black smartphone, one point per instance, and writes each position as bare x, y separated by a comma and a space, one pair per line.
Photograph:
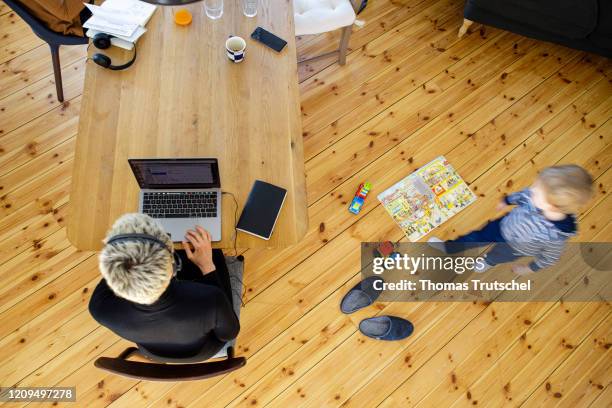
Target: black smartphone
269, 39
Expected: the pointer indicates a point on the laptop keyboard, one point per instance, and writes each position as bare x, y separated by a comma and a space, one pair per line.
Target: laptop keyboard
201, 204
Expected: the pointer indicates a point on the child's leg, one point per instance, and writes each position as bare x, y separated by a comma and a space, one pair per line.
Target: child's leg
500, 253
489, 233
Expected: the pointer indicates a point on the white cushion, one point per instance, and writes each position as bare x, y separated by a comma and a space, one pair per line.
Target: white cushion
320, 16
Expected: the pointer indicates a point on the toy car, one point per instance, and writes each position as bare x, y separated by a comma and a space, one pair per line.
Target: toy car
385, 249
360, 195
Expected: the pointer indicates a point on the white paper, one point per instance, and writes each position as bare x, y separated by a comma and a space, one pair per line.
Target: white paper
124, 19
134, 10
117, 41
113, 27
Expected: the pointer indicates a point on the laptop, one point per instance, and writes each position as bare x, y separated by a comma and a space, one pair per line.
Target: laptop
180, 194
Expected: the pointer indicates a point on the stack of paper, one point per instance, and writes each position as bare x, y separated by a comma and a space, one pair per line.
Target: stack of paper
123, 19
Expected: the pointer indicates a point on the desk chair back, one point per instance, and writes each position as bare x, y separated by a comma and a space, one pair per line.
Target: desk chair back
51, 37
120, 365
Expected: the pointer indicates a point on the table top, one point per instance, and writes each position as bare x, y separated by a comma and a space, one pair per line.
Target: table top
184, 98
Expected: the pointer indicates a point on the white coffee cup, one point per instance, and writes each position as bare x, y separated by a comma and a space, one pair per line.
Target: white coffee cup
235, 48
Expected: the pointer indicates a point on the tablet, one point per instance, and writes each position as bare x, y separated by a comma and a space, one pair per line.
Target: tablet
261, 209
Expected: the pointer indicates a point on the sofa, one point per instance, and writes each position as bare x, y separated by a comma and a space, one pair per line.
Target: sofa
581, 24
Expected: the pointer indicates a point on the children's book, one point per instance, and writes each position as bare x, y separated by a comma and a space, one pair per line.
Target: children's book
427, 198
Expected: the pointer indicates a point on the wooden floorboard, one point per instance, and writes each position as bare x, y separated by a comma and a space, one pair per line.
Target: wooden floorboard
499, 106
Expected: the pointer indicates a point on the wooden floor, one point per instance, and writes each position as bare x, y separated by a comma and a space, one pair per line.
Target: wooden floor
499, 106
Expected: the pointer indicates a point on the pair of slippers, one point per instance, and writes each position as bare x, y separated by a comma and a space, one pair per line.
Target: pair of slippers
378, 327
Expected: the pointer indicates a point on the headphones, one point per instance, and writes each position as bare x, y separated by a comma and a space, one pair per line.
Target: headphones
177, 263
102, 41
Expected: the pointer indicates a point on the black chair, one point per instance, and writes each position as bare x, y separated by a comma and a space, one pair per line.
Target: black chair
153, 371
50, 37
184, 368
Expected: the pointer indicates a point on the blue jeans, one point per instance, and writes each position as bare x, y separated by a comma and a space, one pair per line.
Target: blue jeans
501, 252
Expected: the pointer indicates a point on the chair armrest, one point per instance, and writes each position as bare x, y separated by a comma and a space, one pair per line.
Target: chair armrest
168, 372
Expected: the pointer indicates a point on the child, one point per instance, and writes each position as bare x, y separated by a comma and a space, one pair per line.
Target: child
543, 219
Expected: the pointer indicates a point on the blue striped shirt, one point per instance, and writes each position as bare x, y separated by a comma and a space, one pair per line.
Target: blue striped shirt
530, 233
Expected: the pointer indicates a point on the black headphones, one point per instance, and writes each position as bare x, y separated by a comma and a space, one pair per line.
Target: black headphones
177, 263
102, 41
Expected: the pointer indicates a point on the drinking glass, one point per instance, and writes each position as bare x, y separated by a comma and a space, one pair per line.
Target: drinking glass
249, 7
213, 8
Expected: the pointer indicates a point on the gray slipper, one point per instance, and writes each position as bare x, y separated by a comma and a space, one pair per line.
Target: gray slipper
360, 296
386, 328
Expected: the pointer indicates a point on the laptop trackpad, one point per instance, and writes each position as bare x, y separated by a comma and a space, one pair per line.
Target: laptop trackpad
177, 227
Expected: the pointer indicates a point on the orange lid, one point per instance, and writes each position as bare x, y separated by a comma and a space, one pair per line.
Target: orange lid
182, 17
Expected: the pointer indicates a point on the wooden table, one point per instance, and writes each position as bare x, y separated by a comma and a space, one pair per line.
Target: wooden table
184, 98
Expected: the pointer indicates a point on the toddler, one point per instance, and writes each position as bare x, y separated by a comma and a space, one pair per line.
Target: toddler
543, 219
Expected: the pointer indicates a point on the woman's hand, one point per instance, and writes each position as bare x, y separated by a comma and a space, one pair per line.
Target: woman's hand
201, 255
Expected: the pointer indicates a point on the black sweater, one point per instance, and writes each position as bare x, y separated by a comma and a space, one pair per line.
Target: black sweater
188, 318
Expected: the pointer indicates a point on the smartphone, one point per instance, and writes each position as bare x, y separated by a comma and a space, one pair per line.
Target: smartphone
267, 38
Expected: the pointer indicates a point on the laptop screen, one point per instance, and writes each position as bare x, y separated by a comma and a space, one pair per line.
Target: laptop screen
176, 173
